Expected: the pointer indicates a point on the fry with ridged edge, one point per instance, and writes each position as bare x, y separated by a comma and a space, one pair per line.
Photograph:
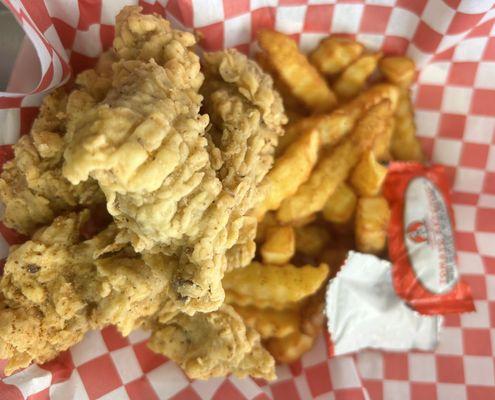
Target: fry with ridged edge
398, 70
372, 218
334, 126
368, 176
290, 103
295, 71
335, 166
279, 245
334, 54
290, 170
293, 131
273, 285
339, 207
269, 322
354, 78
382, 145
405, 146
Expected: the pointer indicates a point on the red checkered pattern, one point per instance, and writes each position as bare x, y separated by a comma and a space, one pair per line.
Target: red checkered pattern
453, 42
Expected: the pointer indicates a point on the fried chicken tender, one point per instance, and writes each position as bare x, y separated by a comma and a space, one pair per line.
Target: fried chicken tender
32, 187
145, 37
56, 287
171, 186
247, 117
213, 344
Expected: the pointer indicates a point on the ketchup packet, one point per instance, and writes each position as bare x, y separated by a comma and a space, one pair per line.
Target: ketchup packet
364, 311
421, 240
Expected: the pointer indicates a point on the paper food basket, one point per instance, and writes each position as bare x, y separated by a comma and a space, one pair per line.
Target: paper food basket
453, 43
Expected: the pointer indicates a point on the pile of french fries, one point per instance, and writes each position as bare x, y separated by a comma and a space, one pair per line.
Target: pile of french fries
350, 113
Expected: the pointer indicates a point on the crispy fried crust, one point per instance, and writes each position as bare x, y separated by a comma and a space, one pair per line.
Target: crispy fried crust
171, 186
213, 344
32, 187
56, 287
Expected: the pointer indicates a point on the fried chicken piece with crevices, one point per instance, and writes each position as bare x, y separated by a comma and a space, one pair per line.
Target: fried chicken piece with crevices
32, 187
56, 287
145, 146
145, 37
213, 344
247, 117
172, 187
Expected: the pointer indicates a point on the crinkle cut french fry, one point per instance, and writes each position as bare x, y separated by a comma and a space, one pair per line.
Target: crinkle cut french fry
405, 146
339, 207
334, 166
372, 218
292, 132
269, 322
297, 223
368, 176
383, 143
372, 96
295, 71
334, 54
290, 103
290, 170
398, 70
311, 239
334, 126
289, 348
279, 245
245, 300
354, 78
272, 285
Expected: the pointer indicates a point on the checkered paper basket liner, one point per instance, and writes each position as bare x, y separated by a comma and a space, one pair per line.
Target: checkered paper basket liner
453, 42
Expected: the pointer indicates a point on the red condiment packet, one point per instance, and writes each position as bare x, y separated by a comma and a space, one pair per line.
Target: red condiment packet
421, 240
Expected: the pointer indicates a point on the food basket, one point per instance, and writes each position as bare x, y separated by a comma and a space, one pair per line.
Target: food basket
453, 44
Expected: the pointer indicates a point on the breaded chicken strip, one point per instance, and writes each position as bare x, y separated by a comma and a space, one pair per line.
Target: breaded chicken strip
145, 37
247, 116
56, 287
171, 186
213, 344
32, 187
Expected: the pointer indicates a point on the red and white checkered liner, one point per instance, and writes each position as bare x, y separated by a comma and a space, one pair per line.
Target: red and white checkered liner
453, 42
